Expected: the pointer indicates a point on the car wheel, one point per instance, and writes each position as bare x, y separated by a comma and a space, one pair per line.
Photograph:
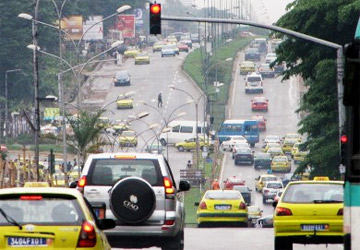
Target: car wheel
264, 200
252, 145
282, 243
163, 142
176, 243
132, 200
181, 148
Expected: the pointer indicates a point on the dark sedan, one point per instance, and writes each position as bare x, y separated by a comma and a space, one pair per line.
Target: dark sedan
245, 192
252, 54
244, 156
262, 161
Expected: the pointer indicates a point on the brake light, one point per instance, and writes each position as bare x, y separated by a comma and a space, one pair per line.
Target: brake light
203, 205
281, 211
31, 197
340, 212
169, 189
242, 205
168, 224
266, 191
82, 182
87, 236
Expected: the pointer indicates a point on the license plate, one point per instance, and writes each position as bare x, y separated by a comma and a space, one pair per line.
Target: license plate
222, 207
318, 227
26, 241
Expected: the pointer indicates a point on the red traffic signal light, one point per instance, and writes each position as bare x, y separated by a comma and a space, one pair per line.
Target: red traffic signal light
155, 18
155, 8
344, 139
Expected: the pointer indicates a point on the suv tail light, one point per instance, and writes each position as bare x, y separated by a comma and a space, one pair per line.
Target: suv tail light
87, 236
242, 205
266, 191
81, 183
169, 189
168, 224
203, 205
281, 211
341, 211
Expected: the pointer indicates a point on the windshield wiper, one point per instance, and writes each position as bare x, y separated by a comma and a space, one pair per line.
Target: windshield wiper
10, 220
327, 201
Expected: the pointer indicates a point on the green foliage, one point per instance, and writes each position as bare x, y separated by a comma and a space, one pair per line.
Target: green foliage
334, 21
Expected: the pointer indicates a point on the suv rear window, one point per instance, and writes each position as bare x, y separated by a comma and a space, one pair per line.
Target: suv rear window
106, 172
254, 79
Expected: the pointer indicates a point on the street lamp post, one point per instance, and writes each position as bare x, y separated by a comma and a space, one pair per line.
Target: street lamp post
6, 122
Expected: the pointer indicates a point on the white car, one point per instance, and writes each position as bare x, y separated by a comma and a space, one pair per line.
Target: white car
254, 83
272, 138
229, 144
270, 190
270, 57
237, 146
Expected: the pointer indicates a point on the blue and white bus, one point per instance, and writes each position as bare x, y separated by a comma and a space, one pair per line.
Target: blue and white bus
247, 128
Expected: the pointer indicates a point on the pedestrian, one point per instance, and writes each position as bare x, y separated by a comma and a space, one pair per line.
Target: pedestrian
160, 103
188, 165
68, 166
75, 163
215, 185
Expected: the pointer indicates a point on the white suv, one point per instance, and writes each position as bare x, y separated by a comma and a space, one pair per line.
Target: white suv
254, 83
270, 190
139, 192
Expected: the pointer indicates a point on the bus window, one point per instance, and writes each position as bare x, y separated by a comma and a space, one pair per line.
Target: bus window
199, 130
176, 129
186, 129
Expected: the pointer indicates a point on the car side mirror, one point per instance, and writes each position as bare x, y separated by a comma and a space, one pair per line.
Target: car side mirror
196, 204
184, 185
73, 184
106, 224
274, 204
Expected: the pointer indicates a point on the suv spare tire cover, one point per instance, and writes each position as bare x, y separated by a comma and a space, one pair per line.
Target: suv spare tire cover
132, 200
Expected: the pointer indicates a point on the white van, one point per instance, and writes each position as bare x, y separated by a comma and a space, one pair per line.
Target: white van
181, 130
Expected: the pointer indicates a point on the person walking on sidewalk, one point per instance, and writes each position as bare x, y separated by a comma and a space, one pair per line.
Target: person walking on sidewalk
160, 103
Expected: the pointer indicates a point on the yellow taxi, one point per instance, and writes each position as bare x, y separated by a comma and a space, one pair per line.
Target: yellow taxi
300, 156
120, 125
295, 148
131, 52
288, 144
247, 67
103, 122
293, 136
222, 206
158, 46
49, 218
190, 144
275, 151
260, 181
142, 58
124, 102
280, 164
36, 184
128, 138
309, 212
270, 145
171, 39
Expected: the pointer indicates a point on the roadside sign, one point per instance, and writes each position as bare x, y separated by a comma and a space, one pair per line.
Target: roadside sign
95, 32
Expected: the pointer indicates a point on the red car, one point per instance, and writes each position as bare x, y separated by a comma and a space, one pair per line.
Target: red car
3, 148
259, 103
232, 181
183, 47
261, 122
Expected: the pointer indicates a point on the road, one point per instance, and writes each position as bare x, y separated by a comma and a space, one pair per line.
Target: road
149, 80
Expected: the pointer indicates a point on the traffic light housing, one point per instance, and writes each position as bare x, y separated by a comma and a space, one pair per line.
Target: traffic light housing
352, 71
344, 150
155, 18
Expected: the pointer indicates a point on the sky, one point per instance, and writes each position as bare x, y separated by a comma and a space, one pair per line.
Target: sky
274, 9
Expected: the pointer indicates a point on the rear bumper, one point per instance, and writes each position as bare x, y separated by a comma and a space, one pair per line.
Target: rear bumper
222, 217
315, 239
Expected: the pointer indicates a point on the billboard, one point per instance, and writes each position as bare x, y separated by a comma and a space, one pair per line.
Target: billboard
73, 25
126, 24
95, 32
51, 114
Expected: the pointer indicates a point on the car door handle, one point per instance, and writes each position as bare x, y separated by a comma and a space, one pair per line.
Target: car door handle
93, 191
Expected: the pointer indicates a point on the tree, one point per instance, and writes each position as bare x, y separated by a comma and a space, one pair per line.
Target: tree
334, 21
87, 133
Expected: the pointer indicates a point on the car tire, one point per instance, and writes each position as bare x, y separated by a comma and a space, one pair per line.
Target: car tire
181, 148
264, 200
163, 142
281, 243
132, 200
176, 243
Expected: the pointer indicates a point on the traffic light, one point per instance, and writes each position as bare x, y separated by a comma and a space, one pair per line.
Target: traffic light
344, 150
51, 161
352, 71
155, 18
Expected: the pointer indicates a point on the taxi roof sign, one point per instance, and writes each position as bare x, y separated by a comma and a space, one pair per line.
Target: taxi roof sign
36, 184
321, 178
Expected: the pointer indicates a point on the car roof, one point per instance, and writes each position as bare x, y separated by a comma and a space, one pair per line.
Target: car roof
119, 155
41, 190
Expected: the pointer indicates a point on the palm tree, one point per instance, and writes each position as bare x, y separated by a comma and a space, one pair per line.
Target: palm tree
86, 133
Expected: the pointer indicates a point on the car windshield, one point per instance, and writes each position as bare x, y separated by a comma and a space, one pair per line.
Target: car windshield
223, 195
254, 79
241, 189
269, 178
280, 159
41, 209
263, 156
314, 193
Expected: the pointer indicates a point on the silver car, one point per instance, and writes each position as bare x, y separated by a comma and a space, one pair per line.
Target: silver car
137, 190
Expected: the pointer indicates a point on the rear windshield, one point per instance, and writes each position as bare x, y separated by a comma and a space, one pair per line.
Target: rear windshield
254, 79
106, 172
274, 185
221, 195
314, 193
44, 210
269, 178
